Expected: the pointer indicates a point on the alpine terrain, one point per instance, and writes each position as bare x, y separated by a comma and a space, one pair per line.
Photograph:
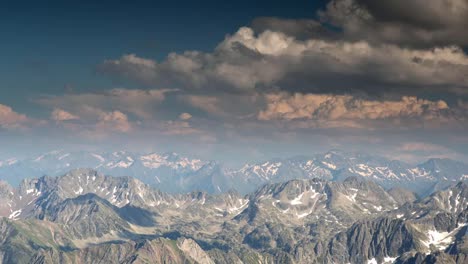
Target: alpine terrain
174, 173
84, 216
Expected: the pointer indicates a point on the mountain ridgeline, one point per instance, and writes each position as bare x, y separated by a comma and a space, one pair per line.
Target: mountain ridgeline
84, 216
177, 174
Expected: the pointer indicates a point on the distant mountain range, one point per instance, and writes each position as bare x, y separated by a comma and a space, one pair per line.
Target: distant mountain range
87, 217
173, 173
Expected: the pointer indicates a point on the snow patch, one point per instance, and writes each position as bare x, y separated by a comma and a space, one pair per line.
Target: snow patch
14, 215
389, 260
99, 157
297, 200
80, 190
329, 165
441, 240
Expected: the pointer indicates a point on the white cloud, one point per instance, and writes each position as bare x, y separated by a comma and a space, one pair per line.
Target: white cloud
113, 121
131, 58
185, 116
94, 123
10, 119
62, 115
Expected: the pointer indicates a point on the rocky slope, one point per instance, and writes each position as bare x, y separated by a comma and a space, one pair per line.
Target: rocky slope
84, 216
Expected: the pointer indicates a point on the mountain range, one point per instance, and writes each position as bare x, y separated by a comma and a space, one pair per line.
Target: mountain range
174, 173
84, 216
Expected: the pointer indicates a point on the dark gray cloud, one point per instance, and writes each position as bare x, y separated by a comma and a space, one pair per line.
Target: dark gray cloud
408, 23
424, 14
301, 29
411, 23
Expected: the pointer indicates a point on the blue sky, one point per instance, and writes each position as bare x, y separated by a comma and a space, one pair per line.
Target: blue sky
236, 80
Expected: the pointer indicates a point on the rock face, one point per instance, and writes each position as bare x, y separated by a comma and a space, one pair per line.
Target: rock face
376, 239
86, 217
192, 249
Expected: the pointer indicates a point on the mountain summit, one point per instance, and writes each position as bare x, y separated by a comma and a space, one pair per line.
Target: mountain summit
177, 174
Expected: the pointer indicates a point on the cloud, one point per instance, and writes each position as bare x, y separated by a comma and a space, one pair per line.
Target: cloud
62, 115
175, 128
97, 124
463, 104
416, 23
431, 14
185, 116
116, 112
222, 106
209, 104
417, 151
247, 63
113, 121
93, 122
239, 63
421, 146
361, 71
97, 115
299, 28
10, 119
350, 111
140, 103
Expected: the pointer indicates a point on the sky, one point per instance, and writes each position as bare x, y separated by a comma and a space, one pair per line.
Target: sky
236, 81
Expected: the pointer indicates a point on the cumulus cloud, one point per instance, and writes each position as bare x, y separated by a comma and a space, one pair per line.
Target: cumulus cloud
97, 124
115, 112
347, 110
140, 103
185, 116
93, 122
100, 114
10, 119
113, 121
62, 115
246, 62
